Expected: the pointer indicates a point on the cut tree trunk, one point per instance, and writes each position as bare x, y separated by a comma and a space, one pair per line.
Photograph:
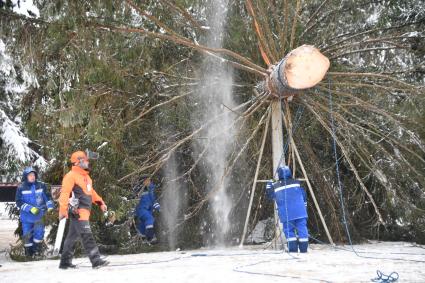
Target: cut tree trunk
278, 160
302, 68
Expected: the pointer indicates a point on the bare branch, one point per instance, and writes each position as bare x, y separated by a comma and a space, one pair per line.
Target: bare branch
267, 56
315, 13
348, 159
367, 50
145, 112
185, 42
376, 75
294, 24
184, 13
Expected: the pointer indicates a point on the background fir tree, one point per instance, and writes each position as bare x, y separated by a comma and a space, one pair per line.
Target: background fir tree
130, 95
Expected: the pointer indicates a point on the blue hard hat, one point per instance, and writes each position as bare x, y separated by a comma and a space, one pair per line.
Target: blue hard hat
284, 172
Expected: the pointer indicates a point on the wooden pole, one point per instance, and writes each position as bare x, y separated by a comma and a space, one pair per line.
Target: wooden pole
310, 189
289, 129
254, 184
278, 155
277, 136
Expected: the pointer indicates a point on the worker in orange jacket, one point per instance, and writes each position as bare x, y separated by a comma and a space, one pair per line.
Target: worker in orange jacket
75, 202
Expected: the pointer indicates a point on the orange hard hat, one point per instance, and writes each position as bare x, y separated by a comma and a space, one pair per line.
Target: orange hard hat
76, 156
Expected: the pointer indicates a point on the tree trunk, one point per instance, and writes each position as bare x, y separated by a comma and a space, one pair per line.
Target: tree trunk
278, 160
302, 68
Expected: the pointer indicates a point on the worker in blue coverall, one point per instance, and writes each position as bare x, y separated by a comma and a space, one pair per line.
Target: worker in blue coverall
144, 211
291, 202
33, 201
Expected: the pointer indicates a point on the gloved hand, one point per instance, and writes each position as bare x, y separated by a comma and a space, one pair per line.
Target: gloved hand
50, 206
34, 210
156, 206
270, 190
104, 208
61, 216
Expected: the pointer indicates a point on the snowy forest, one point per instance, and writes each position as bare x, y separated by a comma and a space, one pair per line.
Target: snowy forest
175, 90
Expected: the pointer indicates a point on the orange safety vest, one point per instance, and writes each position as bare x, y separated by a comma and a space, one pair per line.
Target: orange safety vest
78, 184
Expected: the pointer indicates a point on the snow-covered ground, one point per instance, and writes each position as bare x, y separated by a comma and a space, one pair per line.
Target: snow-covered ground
7, 237
251, 264
7, 229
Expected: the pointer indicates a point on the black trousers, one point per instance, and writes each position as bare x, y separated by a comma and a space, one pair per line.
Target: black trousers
79, 229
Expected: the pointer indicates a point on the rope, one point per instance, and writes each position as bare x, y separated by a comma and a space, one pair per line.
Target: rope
370, 257
240, 270
283, 83
286, 146
298, 115
286, 206
235, 269
84, 264
233, 254
383, 278
146, 263
279, 75
340, 189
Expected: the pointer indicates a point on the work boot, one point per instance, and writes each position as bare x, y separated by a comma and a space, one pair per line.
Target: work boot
36, 249
303, 246
141, 237
63, 265
150, 233
29, 252
100, 263
293, 246
153, 241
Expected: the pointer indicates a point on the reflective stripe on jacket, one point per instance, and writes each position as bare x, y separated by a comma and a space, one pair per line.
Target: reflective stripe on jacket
29, 195
291, 199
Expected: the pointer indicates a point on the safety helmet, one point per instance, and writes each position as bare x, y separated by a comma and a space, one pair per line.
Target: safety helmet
284, 172
77, 156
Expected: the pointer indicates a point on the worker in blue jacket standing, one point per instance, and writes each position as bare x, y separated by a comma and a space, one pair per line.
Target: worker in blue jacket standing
144, 211
291, 202
33, 201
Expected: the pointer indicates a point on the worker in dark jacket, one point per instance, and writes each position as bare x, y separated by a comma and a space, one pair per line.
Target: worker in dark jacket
144, 211
291, 201
33, 201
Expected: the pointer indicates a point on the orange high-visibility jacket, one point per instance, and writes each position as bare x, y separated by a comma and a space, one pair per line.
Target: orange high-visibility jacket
78, 184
